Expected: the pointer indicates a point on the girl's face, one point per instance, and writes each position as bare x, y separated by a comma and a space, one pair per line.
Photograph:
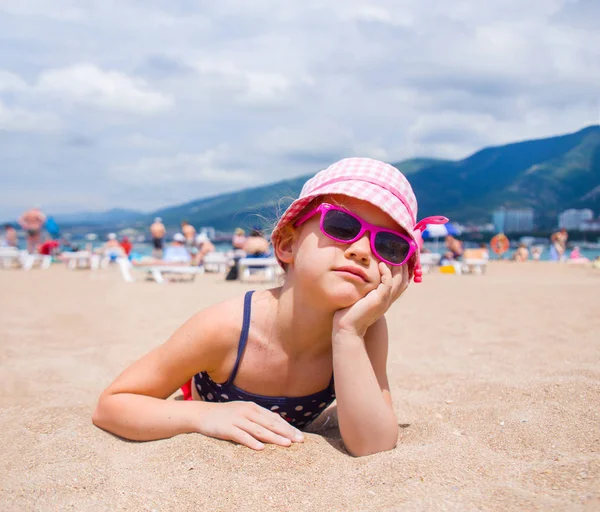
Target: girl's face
340, 273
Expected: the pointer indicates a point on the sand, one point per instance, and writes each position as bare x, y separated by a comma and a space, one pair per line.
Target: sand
495, 380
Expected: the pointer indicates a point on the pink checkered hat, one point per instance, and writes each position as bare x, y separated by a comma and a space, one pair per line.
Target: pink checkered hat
370, 180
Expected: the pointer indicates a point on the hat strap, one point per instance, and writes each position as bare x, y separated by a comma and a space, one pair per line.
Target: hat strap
422, 224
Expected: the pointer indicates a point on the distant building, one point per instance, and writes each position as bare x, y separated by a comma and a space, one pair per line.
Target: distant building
575, 219
513, 220
590, 225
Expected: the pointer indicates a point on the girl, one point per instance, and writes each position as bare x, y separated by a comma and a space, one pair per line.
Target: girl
264, 366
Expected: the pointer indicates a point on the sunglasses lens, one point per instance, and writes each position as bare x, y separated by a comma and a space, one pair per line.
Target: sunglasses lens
391, 247
340, 225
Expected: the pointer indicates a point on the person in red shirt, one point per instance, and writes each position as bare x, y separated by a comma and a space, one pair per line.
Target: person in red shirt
126, 245
49, 247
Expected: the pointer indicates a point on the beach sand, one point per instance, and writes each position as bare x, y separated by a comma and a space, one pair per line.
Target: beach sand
495, 381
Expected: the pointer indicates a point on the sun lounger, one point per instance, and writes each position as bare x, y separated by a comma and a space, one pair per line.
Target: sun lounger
429, 260
216, 262
474, 261
267, 267
157, 271
81, 259
28, 261
9, 257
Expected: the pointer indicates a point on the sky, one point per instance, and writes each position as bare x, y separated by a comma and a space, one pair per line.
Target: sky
143, 104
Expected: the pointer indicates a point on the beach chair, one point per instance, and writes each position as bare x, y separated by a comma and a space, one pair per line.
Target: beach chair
28, 261
216, 262
81, 259
9, 257
266, 267
429, 260
157, 271
474, 261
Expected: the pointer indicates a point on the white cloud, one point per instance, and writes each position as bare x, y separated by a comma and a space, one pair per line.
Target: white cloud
210, 166
236, 80
9, 82
263, 90
89, 85
63, 10
139, 140
15, 119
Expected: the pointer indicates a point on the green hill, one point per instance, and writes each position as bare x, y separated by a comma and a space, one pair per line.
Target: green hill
548, 175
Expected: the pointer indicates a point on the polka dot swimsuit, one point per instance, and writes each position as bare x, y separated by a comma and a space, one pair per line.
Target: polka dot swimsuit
299, 411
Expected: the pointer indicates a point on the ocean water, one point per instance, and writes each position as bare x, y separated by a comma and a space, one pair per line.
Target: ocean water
146, 250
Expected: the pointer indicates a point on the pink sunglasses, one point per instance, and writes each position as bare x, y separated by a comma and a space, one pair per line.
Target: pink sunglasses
343, 226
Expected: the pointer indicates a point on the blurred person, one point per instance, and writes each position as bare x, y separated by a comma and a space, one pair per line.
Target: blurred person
576, 256
256, 245
157, 232
49, 248
32, 221
536, 253
239, 239
455, 249
112, 248
203, 247
484, 250
558, 245
126, 245
521, 254
10, 238
189, 232
177, 252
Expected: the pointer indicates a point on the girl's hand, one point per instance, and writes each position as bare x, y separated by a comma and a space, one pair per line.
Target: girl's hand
357, 318
248, 424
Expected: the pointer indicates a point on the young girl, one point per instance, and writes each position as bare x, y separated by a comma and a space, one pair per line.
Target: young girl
264, 366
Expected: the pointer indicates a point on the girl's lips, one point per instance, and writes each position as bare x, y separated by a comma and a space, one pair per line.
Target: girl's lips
358, 272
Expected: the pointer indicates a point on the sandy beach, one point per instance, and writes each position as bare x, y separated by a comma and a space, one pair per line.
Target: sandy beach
495, 380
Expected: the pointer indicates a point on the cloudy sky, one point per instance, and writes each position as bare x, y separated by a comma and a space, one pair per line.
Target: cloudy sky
148, 103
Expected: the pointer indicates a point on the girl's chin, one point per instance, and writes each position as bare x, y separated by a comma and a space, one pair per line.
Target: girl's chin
342, 299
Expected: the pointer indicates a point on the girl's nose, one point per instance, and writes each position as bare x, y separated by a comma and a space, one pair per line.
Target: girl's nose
360, 250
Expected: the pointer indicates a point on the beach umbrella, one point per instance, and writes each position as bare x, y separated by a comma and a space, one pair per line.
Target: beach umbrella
440, 230
437, 231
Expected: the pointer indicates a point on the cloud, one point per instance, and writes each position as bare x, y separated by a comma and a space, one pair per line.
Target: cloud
15, 119
211, 166
178, 93
88, 85
235, 80
9, 82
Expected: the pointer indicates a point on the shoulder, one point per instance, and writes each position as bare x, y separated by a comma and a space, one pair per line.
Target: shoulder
212, 333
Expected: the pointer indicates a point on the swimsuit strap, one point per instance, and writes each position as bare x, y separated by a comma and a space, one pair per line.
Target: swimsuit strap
243, 334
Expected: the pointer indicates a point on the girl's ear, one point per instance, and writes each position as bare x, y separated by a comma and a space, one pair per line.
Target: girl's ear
285, 246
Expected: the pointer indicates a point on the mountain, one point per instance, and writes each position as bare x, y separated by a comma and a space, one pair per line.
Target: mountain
254, 207
549, 175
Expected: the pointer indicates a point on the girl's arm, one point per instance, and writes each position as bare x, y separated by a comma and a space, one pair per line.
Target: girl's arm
360, 343
134, 406
366, 417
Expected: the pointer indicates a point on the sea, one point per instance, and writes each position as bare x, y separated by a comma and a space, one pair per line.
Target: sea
144, 249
